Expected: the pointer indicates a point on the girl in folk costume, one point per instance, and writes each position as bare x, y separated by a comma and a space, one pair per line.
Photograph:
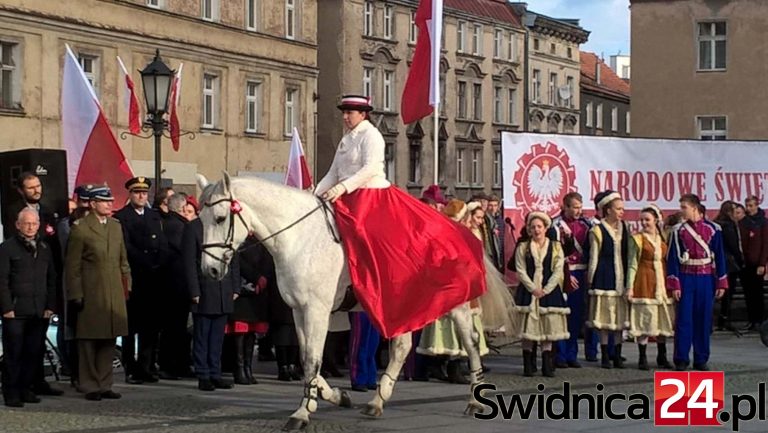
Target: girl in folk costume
652, 312
606, 275
440, 338
541, 305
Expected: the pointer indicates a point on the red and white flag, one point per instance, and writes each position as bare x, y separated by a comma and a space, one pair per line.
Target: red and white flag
421, 95
298, 172
93, 154
132, 101
173, 111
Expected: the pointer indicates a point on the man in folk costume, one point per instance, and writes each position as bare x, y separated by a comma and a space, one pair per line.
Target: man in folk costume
571, 229
606, 275
696, 275
402, 281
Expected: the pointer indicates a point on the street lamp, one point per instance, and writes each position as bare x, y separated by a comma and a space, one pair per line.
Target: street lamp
156, 79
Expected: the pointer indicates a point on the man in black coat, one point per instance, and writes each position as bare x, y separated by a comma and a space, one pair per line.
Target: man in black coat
148, 252
27, 301
212, 302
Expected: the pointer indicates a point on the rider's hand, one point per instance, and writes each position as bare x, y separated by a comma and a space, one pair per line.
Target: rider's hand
334, 193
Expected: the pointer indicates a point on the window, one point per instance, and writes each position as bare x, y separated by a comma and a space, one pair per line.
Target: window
712, 128
552, 49
536, 44
441, 146
477, 101
712, 46
252, 106
629, 122
461, 173
588, 121
389, 161
291, 110
414, 170
389, 90
252, 14
368, 19
90, 65
552, 89
512, 47
512, 106
210, 100
497, 105
442, 95
536, 88
570, 52
497, 169
462, 97
477, 167
157, 4
461, 31
614, 119
599, 117
290, 19
571, 94
497, 41
477, 40
10, 84
367, 82
388, 22
209, 10
413, 30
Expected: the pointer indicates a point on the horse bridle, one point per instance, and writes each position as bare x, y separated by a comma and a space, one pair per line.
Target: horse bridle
236, 209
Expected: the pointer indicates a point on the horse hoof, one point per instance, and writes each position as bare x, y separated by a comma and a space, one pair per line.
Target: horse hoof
346, 400
371, 410
472, 409
294, 424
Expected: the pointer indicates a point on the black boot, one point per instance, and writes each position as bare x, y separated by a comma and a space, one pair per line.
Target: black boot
281, 355
329, 356
642, 362
533, 357
239, 372
437, 368
454, 373
661, 356
527, 363
250, 343
605, 360
618, 361
547, 364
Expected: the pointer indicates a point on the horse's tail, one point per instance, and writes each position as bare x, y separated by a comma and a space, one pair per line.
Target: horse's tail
497, 303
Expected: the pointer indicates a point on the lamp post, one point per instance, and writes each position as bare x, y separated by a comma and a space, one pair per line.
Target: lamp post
156, 79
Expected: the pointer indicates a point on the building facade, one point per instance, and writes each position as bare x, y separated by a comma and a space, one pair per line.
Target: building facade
605, 99
698, 67
553, 72
249, 75
366, 48
622, 65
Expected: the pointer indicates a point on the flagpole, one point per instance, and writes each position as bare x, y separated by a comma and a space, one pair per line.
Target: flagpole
436, 146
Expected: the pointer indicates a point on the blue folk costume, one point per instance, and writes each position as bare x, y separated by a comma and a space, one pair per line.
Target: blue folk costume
697, 267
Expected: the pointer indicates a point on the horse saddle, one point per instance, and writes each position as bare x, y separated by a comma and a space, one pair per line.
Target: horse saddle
348, 303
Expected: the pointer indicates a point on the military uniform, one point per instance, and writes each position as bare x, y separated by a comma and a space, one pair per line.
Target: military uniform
148, 252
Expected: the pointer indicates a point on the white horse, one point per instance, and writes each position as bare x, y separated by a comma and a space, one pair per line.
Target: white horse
298, 230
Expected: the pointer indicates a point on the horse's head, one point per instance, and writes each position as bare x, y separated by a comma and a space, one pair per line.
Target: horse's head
225, 226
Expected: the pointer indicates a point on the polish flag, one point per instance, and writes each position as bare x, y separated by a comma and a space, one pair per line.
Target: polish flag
173, 111
134, 120
298, 172
93, 155
421, 95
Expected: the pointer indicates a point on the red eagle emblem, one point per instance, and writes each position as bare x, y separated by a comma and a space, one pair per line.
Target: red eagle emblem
543, 177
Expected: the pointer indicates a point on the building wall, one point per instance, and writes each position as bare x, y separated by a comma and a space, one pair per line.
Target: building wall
562, 116
668, 90
590, 102
622, 66
345, 54
130, 29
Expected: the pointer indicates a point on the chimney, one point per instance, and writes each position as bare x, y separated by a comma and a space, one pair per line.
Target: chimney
597, 72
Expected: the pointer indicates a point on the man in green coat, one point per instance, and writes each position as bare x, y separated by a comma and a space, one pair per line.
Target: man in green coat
98, 278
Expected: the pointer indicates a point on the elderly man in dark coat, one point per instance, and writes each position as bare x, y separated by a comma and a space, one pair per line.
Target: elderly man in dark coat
212, 301
27, 299
98, 281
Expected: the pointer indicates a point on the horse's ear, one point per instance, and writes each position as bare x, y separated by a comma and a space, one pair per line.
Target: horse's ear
202, 181
227, 182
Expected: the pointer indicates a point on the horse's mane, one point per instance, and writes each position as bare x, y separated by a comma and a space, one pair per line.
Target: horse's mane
286, 194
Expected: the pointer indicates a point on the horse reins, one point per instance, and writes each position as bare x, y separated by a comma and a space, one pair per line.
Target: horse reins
235, 209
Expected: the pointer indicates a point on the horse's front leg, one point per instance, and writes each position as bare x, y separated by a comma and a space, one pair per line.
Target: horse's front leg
399, 348
311, 330
470, 340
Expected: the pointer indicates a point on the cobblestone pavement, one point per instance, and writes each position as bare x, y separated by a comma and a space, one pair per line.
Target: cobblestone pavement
416, 407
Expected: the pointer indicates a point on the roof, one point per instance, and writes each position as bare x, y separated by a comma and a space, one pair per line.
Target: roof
610, 83
495, 10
